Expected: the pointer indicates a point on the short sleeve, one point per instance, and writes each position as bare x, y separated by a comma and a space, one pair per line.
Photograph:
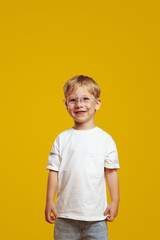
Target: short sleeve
111, 157
54, 157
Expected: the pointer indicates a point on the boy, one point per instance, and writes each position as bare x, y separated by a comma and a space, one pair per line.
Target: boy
79, 161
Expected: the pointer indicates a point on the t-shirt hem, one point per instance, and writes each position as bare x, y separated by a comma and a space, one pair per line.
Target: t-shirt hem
82, 218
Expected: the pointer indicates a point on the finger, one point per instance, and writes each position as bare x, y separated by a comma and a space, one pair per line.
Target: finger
52, 221
49, 218
54, 214
107, 216
110, 218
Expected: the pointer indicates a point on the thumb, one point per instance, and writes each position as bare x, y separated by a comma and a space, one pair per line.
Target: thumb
55, 212
107, 211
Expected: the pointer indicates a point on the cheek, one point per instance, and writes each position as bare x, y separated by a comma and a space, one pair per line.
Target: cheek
92, 107
70, 110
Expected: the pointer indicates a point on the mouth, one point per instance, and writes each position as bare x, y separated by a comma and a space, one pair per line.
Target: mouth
80, 112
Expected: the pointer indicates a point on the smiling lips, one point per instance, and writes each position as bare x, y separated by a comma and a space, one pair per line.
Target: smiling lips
80, 112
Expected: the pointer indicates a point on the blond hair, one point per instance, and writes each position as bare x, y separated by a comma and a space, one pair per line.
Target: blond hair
80, 81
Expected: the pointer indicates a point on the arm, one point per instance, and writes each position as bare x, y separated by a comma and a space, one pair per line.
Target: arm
51, 191
113, 186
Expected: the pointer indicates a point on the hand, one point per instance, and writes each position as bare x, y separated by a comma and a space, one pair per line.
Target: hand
50, 212
111, 211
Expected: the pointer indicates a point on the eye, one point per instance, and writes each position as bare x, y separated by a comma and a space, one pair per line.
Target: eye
72, 100
86, 99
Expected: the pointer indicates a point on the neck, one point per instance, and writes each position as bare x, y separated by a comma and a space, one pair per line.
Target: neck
83, 126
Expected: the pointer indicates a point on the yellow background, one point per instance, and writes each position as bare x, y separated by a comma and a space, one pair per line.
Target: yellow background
42, 45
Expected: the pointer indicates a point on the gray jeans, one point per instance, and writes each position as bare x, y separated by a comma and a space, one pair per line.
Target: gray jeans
68, 229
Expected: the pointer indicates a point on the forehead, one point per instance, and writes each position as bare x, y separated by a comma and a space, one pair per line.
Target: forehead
80, 91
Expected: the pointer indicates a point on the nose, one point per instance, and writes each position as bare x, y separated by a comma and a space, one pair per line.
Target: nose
78, 102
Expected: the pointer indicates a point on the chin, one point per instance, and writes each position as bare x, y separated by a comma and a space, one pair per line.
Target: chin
79, 121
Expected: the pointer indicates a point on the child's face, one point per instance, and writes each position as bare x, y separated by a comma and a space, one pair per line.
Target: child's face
81, 106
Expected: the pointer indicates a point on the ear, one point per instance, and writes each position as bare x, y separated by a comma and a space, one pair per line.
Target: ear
98, 103
66, 105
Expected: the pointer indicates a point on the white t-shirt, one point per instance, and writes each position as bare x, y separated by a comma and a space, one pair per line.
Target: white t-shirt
80, 157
